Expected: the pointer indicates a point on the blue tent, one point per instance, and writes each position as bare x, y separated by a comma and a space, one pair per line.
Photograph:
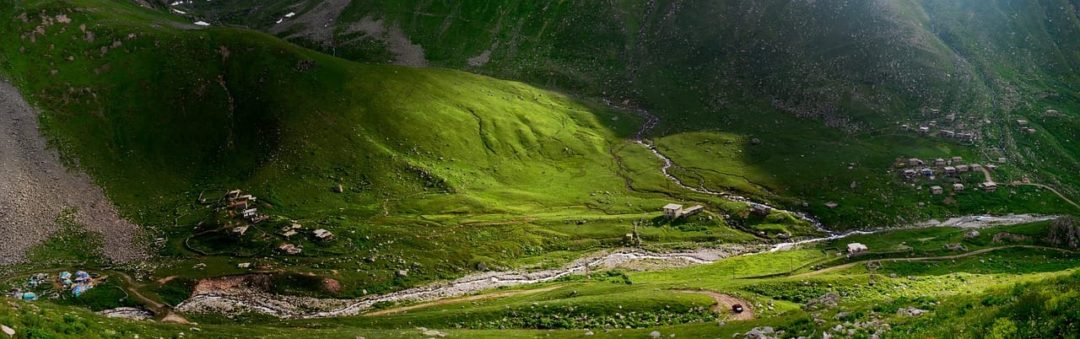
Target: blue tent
80, 289
82, 276
29, 296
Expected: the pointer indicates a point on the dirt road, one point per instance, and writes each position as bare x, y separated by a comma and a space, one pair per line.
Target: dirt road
35, 188
724, 302
1051, 189
947, 257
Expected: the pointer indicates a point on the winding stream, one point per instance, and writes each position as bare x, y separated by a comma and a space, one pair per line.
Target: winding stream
238, 300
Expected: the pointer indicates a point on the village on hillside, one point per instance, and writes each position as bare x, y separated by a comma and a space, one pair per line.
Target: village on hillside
952, 174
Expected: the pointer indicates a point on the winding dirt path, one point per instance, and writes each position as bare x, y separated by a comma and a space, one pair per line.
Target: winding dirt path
724, 302
1051, 189
160, 309
36, 189
640, 138
947, 257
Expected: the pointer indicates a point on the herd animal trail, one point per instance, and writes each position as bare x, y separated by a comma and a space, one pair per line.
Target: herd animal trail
640, 137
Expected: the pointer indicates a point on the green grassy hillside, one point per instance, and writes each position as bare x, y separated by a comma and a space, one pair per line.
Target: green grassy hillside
798, 76
441, 171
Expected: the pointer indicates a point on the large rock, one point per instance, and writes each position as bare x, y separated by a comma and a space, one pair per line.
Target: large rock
1064, 232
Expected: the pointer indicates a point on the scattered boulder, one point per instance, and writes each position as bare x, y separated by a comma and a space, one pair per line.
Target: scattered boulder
431, 333
910, 312
654, 334
971, 234
7, 330
766, 332
824, 301
955, 247
128, 313
1009, 237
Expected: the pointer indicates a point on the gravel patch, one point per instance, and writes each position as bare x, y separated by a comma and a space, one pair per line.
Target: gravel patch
35, 188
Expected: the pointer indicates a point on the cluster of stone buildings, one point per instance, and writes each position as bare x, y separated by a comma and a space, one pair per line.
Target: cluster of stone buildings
293, 229
915, 168
1024, 126
239, 204
244, 205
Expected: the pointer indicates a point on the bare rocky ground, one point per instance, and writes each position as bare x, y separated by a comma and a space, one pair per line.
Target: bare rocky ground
236, 295
35, 188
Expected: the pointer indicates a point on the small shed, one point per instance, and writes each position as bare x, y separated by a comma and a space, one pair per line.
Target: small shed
990, 186
323, 234
958, 187
916, 162
927, 172
1002, 160
672, 210
939, 162
991, 167
949, 170
832, 205
936, 190
924, 129
856, 248
976, 167
248, 213
910, 173
963, 168
239, 231
1022, 122
289, 249
957, 160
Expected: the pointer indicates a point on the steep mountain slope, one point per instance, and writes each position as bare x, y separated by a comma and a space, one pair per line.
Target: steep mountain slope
167, 108
798, 75
856, 64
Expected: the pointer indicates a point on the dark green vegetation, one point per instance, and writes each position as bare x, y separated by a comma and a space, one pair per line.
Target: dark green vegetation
444, 172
